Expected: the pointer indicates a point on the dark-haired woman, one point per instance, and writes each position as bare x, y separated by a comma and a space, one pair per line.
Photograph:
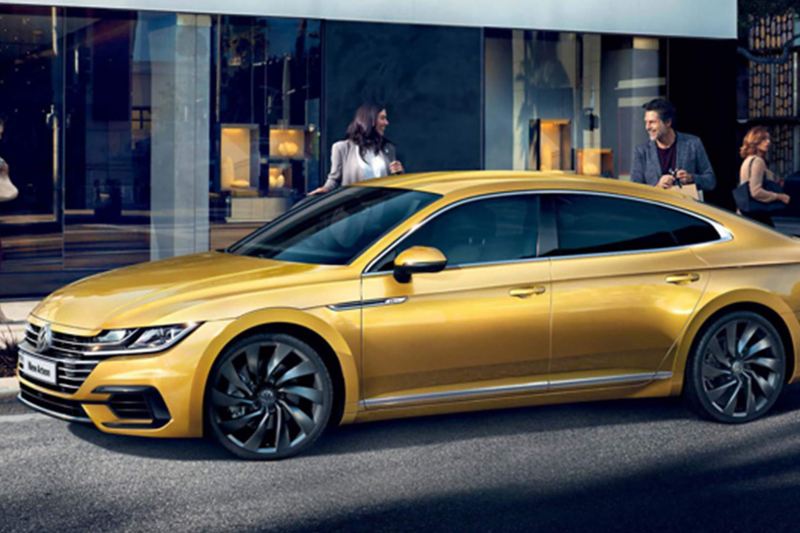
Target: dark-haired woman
754, 171
365, 153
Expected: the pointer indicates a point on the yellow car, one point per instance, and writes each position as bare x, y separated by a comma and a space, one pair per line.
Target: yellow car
425, 294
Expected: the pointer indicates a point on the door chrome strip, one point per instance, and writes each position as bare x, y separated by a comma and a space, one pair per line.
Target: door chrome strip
455, 395
609, 380
360, 304
394, 401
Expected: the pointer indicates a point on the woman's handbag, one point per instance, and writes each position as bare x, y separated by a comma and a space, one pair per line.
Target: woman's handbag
7, 190
747, 204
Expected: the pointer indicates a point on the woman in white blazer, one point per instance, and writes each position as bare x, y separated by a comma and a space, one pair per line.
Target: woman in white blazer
365, 153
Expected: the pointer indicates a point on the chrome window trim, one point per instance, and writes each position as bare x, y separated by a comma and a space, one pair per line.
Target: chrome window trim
398, 401
724, 233
412, 230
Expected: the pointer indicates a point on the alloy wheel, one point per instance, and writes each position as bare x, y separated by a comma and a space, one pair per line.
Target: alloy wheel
269, 397
741, 368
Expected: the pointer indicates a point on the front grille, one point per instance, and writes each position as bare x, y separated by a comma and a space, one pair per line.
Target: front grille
72, 354
53, 404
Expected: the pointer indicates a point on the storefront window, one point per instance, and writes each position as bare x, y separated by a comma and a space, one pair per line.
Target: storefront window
135, 136
267, 121
31, 100
565, 101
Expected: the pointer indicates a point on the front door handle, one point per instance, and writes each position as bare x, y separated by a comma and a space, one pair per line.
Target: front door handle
524, 292
681, 279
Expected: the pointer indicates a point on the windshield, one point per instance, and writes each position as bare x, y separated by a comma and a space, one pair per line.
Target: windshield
336, 228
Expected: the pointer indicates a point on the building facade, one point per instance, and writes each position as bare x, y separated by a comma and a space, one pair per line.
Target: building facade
769, 86
146, 129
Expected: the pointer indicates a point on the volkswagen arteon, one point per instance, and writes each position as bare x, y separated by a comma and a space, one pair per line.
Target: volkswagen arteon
427, 294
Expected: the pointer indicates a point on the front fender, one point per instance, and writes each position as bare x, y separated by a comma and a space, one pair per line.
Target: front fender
309, 319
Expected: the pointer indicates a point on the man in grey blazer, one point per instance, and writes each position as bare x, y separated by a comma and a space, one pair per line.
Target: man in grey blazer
670, 155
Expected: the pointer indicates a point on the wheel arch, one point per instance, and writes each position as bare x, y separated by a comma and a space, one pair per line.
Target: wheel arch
330, 345
765, 304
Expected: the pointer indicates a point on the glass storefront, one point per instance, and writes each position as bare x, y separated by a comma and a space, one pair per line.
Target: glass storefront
31, 105
267, 115
134, 136
567, 101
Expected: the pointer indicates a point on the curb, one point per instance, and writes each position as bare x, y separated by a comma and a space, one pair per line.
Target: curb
9, 388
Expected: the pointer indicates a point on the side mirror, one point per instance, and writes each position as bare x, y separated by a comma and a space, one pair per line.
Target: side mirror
418, 259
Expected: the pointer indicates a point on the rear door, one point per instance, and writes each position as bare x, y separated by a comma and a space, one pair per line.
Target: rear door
625, 282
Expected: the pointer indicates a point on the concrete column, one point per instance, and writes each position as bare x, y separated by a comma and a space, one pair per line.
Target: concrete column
180, 92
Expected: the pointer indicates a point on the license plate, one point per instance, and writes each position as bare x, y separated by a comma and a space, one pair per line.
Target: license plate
38, 368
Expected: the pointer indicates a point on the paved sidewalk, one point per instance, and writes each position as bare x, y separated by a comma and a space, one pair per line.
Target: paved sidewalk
13, 315
9, 388
15, 312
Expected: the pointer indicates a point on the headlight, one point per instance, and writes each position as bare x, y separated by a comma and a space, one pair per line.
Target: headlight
141, 340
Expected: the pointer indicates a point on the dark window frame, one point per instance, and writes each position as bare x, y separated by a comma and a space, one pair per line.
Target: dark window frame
374, 266
549, 227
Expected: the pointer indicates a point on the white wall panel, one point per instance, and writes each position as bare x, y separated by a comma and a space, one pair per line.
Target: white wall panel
688, 18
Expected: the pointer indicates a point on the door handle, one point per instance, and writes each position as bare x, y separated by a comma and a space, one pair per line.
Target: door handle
680, 279
524, 292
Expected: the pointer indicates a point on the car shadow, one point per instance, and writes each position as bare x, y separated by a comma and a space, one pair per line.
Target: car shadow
437, 429
701, 491
154, 448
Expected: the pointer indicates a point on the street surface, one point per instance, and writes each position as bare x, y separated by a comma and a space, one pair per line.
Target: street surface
644, 465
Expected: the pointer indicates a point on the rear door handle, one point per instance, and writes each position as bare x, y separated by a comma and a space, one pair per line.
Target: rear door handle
524, 292
680, 279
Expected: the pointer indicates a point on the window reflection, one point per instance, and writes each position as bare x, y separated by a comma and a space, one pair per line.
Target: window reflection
30, 111
139, 135
566, 101
267, 90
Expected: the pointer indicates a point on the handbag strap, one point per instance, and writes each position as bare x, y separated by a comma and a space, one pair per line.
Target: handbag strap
750, 168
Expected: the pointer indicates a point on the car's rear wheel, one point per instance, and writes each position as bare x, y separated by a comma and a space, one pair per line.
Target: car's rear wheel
269, 396
737, 369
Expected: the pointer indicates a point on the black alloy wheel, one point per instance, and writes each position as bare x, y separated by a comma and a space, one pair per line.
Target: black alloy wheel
269, 396
737, 370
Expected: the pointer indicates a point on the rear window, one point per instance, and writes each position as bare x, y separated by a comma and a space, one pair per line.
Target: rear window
589, 224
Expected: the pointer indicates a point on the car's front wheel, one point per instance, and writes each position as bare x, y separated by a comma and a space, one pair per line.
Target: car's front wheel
269, 396
737, 369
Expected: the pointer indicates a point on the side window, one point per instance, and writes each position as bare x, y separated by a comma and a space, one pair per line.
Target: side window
480, 231
599, 224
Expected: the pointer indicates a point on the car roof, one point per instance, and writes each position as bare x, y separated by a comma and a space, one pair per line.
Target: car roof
461, 184
447, 183
457, 185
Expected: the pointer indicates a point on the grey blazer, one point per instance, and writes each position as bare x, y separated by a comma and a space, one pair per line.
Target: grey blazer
691, 156
345, 165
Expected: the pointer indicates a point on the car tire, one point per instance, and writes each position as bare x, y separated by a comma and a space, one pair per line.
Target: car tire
269, 396
737, 369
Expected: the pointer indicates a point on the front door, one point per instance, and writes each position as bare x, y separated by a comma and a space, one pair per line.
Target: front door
478, 329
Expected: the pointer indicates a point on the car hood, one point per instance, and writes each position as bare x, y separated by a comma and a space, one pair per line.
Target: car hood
207, 286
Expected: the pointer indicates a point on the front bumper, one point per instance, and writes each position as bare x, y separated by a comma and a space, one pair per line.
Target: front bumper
136, 407
159, 395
